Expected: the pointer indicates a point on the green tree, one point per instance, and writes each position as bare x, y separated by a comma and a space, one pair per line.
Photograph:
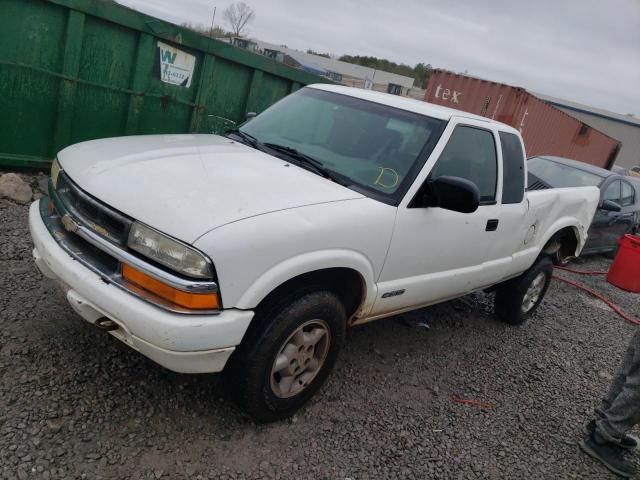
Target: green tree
421, 74
216, 32
312, 52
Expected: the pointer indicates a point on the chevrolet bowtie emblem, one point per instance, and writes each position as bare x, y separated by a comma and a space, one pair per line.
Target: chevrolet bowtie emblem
69, 223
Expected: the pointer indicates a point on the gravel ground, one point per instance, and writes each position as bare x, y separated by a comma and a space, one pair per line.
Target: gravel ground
75, 403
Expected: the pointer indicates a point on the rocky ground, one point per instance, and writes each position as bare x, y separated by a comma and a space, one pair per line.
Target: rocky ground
75, 403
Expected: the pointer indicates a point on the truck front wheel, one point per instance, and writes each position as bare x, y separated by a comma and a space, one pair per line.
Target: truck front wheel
277, 369
519, 298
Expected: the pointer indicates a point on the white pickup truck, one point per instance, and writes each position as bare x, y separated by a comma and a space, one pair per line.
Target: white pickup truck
254, 251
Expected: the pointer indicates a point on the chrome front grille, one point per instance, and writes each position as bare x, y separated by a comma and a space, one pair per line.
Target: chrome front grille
92, 213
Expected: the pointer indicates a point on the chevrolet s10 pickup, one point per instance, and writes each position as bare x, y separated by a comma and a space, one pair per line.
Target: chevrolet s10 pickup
252, 252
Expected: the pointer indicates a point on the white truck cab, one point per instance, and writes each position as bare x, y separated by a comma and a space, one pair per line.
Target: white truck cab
254, 251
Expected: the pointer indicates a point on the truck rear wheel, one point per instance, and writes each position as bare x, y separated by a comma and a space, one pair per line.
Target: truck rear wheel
518, 299
279, 368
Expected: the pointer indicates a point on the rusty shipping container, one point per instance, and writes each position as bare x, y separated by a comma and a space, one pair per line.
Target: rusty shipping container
545, 129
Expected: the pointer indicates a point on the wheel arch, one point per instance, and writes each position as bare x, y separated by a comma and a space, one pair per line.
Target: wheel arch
565, 243
347, 283
332, 268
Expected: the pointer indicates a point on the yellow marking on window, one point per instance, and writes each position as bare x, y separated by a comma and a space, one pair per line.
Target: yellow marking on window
383, 170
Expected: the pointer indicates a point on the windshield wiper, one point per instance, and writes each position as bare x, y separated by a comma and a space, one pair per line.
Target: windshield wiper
316, 165
247, 138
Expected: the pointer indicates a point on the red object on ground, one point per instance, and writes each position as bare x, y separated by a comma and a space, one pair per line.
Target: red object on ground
581, 272
546, 130
625, 270
476, 403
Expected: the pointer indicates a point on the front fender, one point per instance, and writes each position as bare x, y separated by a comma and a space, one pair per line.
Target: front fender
306, 263
256, 255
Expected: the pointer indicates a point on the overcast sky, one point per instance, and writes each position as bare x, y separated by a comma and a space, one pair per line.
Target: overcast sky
582, 50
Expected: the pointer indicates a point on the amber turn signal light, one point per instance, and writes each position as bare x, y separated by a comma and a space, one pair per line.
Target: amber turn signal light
192, 301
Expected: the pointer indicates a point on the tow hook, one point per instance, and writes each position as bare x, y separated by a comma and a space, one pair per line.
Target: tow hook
106, 325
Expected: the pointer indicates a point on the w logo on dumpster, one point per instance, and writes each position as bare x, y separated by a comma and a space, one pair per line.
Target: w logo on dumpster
174, 66
168, 56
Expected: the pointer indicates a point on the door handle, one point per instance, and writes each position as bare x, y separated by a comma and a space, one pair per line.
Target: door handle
492, 225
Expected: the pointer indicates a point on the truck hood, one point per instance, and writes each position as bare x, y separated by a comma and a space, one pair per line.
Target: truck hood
187, 185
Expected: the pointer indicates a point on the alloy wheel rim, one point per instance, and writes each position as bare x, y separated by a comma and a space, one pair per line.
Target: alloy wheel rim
533, 293
300, 358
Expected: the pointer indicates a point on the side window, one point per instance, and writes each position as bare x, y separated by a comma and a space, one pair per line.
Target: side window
613, 192
470, 154
513, 171
628, 195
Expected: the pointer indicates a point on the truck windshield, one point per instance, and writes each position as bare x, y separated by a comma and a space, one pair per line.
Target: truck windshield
373, 148
558, 175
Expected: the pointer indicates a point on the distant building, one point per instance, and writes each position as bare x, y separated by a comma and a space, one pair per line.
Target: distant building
245, 43
624, 128
341, 72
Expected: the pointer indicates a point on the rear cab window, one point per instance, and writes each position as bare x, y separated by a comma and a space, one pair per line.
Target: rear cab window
513, 168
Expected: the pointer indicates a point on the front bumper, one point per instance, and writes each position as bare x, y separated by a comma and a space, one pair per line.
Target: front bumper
179, 342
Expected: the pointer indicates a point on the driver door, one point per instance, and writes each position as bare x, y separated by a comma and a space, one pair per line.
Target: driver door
437, 254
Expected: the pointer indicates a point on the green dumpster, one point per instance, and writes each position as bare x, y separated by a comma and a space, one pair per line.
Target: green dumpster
74, 70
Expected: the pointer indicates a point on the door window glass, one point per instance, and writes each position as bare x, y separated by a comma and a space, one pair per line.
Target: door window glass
470, 154
613, 192
628, 195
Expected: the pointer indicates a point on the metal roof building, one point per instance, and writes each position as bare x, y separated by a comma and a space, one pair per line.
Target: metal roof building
347, 73
624, 128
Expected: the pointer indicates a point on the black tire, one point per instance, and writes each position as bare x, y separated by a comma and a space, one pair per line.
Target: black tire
249, 374
510, 298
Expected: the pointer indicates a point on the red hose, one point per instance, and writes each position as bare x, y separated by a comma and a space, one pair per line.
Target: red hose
476, 403
599, 296
580, 272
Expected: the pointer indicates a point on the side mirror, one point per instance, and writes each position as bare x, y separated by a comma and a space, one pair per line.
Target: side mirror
610, 206
453, 193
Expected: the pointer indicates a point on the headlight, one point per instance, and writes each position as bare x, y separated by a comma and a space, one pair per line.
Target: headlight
55, 172
169, 252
